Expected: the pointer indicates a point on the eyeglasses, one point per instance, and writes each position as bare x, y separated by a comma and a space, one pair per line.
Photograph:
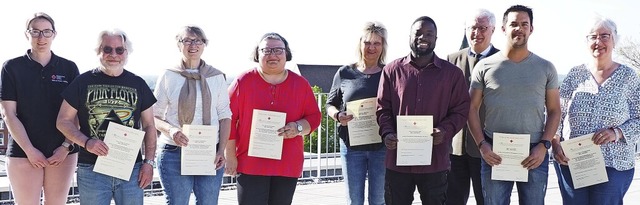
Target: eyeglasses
191, 41
47, 33
603, 37
275, 51
478, 28
108, 50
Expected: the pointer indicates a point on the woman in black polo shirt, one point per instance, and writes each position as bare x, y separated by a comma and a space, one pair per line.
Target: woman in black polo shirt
39, 156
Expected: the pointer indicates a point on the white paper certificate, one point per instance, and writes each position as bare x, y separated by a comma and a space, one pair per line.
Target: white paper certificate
513, 149
363, 129
124, 144
264, 141
415, 143
199, 156
586, 162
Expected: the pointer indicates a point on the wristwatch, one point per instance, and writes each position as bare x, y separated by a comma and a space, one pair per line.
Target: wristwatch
67, 145
151, 162
299, 127
546, 143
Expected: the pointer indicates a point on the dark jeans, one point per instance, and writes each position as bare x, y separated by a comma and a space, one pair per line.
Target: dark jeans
464, 170
265, 190
399, 187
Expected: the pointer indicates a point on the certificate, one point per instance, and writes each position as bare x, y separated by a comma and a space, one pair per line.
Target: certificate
513, 149
199, 156
264, 141
363, 129
124, 144
586, 162
415, 143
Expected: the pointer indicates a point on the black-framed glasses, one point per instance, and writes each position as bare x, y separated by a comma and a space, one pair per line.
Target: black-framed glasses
47, 33
275, 51
478, 28
603, 37
108, 50
191, 41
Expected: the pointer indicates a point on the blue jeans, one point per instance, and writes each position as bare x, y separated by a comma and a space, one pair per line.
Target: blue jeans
357, 166
532, 192
611, 192
99, 189
178, 187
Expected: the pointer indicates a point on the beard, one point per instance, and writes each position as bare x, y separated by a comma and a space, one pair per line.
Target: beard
420, 51
519, 43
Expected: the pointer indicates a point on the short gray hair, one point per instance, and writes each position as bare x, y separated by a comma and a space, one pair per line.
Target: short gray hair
481, 13
601, 21
191, 29
113, 32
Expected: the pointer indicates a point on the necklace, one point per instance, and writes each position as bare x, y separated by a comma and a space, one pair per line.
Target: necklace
368, 72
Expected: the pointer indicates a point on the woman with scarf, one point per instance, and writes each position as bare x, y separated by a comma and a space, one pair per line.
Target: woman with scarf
191, 93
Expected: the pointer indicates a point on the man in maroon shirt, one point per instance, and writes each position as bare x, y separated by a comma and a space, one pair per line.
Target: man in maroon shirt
421, 84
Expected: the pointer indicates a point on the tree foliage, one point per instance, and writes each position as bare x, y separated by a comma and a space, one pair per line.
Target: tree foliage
326, 131
628, 50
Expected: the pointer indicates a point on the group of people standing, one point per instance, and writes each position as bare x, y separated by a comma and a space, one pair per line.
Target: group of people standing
58, 117
478, 91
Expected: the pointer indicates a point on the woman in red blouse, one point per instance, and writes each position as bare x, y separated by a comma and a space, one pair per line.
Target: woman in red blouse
270, 87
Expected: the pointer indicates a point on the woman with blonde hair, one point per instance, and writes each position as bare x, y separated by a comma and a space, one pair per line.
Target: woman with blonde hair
352, 82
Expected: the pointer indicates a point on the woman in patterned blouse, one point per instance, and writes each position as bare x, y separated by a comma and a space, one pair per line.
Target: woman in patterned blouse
600, 98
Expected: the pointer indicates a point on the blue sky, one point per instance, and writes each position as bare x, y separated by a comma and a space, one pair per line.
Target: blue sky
319, 32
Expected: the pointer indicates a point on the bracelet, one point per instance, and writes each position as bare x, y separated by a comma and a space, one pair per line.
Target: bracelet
85, 142
481, 143
336, 116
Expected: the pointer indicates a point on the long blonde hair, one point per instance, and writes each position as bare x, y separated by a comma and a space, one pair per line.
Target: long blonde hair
377, 28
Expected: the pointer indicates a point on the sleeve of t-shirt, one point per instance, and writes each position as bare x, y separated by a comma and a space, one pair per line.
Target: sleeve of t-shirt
72, 93
552, 77
147, 99
8, 84
75, 72
335, 94
477, 77
234, 98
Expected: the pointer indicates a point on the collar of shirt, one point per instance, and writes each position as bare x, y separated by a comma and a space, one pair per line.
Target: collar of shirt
53, 61
436, 63
483, 53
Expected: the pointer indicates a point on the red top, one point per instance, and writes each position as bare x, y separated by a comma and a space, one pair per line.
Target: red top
294, 97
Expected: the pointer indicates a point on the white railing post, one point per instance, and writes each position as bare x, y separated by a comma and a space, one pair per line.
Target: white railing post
319, 142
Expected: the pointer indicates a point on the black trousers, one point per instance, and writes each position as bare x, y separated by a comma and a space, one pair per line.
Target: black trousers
464, 170
399, 187
265, 190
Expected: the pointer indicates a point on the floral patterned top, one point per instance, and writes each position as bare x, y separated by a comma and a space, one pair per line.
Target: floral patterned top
588, 107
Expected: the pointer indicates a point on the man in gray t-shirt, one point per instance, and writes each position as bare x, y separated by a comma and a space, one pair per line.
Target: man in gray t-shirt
520, 94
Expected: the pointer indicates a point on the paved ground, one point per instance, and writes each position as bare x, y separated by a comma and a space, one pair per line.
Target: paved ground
332, 193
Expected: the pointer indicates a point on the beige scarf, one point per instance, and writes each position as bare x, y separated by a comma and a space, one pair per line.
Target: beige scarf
187, 102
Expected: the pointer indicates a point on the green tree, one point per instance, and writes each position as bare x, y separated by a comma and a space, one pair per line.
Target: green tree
326, 131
